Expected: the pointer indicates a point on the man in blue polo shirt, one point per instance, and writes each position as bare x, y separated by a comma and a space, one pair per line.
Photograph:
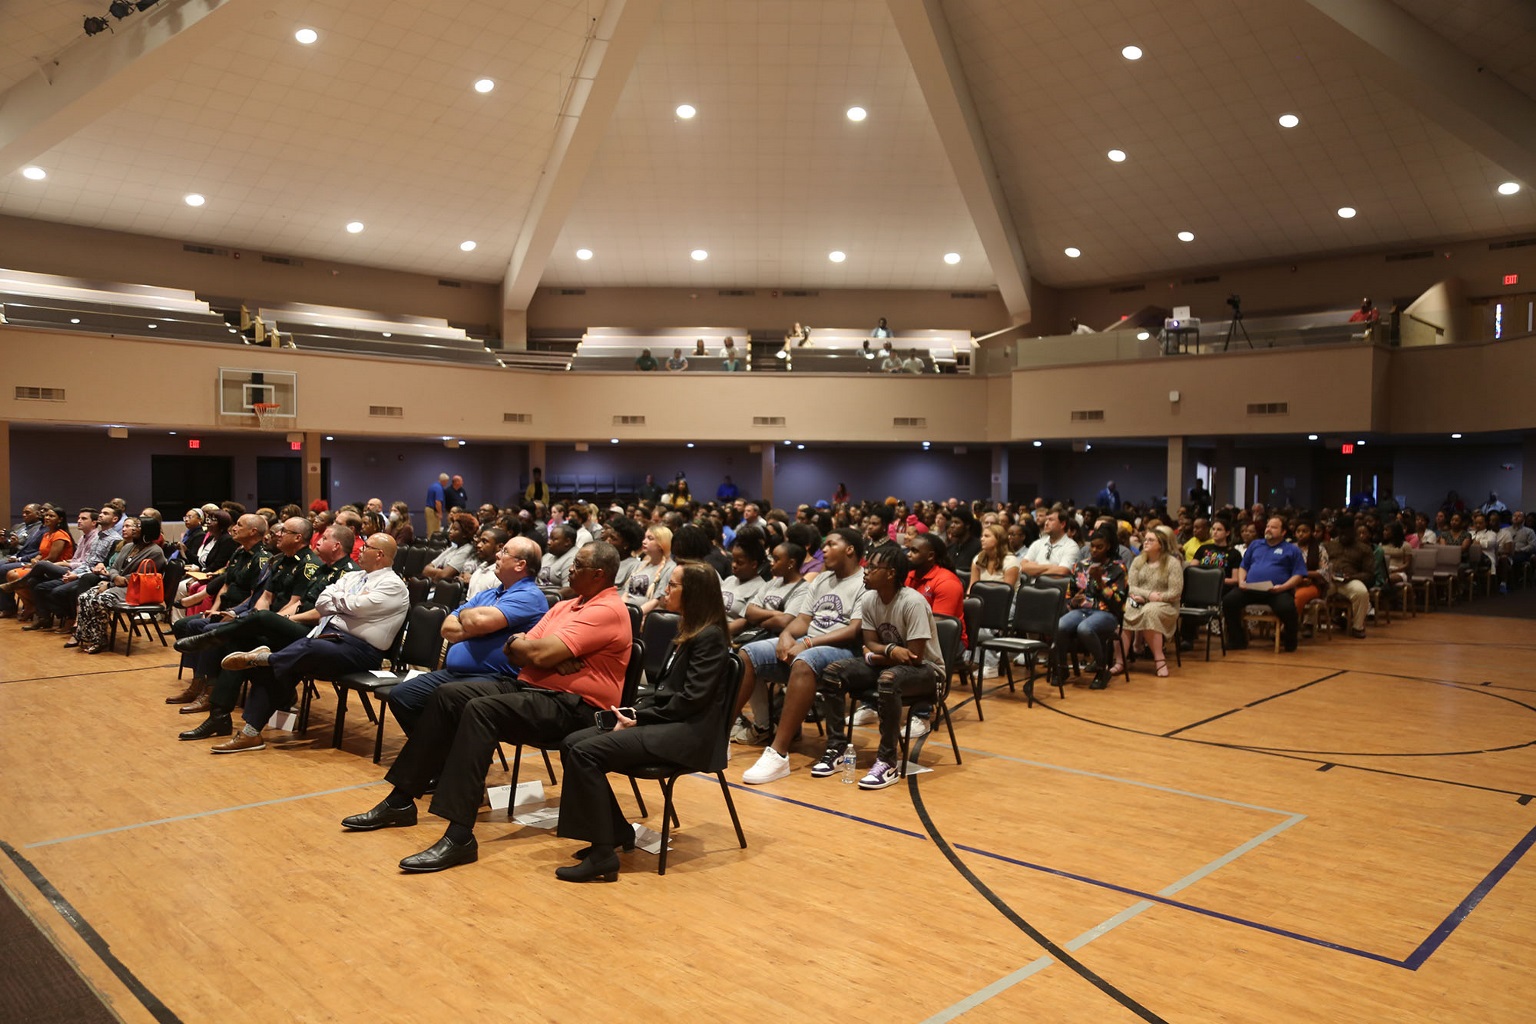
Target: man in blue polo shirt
1272, 569
479, 630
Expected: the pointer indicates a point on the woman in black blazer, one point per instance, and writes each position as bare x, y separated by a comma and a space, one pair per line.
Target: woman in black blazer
677, 722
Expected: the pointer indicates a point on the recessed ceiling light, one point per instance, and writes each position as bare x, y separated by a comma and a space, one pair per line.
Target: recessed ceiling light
485, 85
1456, 437
927, 443
1346, 212
1143, 335
330, 437
1039, 443
686, 110
799, 447
951, 258
355, 227
74, 319
152, 326
1131, 53
1087, 447
387, 334
1186, 236
193, 199
857, 113
1311, 437
837, 255
1509, 188
33, 173
789, 442
1117, 155
690, 444
699, 255
307, 36
171, 432
467, 246
613, 440
1289, 120
1073, 251
1357, 443
583, 254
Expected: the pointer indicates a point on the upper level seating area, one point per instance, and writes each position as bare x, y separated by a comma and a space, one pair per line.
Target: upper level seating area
617, 348
48, 301
825, 349
357, 332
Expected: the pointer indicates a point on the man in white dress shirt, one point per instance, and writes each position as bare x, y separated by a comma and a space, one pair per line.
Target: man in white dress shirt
359, 616
1054, 553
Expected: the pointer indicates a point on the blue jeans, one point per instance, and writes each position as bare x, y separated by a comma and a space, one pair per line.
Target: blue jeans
1085, 631
766, 663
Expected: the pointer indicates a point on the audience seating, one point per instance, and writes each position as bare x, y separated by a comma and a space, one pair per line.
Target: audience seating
419, 647
1202, 602
1036, 612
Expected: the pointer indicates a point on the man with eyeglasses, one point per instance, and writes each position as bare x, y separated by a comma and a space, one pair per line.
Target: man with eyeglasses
359, 616
479, 630
571, 664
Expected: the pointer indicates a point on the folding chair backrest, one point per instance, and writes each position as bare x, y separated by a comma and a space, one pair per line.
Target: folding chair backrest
1202, 587
417, 590
633, 672
1057, 583
423, 645
416, 559
658, 631
174, 570
1421, 563
725, 707
1037, 610
1447, 556
634, 620
996, 598
949, 645
972, 609
448, 593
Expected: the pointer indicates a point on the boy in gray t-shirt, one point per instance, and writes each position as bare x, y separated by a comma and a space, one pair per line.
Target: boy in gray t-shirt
901, 659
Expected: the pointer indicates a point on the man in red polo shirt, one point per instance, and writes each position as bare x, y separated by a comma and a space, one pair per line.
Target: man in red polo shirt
572, 664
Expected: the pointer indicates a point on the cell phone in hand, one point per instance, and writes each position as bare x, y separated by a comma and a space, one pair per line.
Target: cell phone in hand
608, 720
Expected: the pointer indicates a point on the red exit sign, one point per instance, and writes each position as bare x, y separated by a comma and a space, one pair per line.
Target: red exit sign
194, 443
1347, 449
1511, 278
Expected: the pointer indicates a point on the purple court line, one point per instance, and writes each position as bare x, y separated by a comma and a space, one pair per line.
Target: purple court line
1412, 962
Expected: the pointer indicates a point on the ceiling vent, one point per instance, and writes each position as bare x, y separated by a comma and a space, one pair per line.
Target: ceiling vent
517, 417
629, 421
1087, 415
1125, 289
969, 295
392, 411
450, 284
1207, 279
801, 294
767, 421
39, 394
909, 421
1519, 243
205, 250
736, 293
559, 291
1404, 257
287, 261
1269, 408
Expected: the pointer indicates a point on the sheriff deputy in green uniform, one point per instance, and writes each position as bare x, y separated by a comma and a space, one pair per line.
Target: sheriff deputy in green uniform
308, 575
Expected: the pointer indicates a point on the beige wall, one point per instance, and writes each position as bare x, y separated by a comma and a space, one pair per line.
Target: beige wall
91, 253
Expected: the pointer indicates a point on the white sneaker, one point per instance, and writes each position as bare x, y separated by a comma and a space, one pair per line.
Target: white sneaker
771, 767
748, 733
866, 716
919, 727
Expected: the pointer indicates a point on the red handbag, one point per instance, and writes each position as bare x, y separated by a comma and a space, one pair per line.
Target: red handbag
146, 586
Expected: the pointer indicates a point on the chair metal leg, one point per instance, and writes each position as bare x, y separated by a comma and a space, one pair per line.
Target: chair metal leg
667, 815
550, 768
503, 755
634, 785
950, 725
730, 805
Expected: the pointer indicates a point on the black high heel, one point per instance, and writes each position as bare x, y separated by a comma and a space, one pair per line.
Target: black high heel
586, 851
594, 867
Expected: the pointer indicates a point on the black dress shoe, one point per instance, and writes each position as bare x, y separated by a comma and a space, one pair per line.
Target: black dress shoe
445, 853
215, 724
199, 641
1100, 679
37, 624
604, 866
381, 816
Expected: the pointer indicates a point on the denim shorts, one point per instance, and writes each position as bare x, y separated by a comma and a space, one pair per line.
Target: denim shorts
765, 662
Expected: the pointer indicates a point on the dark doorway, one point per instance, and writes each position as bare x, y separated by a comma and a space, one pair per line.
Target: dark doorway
180, 482
280, 480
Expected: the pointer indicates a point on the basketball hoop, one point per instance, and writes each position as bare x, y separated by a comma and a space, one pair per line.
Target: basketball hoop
261, 409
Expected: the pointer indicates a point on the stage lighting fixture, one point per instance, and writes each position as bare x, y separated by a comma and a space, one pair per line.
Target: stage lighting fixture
120, 9
145, 5
95, 26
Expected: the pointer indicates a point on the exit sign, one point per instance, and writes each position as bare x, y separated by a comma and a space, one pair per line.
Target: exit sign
1347, 449
1511, 278
194, 443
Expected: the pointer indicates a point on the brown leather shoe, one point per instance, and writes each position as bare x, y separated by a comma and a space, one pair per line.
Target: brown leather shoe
201, 706
195, 689
241, 660
239, 742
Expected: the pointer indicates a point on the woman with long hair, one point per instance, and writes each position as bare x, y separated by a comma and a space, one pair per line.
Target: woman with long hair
647, 585
995, 562
1156, 582
680, 721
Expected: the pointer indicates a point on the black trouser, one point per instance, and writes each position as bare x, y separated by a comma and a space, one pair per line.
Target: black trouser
58, 596
458, 732
891, 683
258, 629
588, 809
1281, 602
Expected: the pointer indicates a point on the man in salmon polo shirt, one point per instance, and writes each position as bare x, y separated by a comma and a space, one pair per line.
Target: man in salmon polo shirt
572, 665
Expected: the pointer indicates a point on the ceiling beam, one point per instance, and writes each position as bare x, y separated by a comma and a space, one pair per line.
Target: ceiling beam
599, 81
1454, 90
930, 47
95, 74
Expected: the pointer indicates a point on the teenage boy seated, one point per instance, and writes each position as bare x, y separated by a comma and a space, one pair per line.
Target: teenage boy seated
901, 658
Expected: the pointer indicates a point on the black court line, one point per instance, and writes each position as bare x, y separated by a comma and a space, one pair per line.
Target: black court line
1253, 704
92, 937
82, 675
1040, 938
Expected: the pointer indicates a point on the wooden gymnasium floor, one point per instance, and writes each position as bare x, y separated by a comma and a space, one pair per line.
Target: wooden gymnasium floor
1341, 834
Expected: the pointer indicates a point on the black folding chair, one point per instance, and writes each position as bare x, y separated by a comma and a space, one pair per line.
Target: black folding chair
667, 773
1036, 612
419, 647
1202, 603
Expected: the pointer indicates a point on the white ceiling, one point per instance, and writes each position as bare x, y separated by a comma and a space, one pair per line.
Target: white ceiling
377, 122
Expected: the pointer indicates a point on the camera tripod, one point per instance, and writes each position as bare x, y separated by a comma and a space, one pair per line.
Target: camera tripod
1233, 328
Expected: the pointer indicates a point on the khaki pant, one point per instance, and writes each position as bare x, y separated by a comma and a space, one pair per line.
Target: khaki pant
432, 522
1359, 596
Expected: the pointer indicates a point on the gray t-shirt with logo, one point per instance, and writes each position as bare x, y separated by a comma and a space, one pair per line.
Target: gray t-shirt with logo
834, 602
907, 617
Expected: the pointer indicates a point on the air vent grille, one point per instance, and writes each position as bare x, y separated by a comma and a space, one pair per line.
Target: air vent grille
1207, 279
1125, 289
767, 421
1087, 415
968, 295
206, 250
1518, 243
40, 394
1268, 408
629, 421
800, 293
517, 417
392, 411
909, 421
1403, 257
736, 293
450, 284
562, 291
287, 261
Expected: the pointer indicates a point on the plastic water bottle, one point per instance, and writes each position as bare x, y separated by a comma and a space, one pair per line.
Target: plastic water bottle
850, 763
